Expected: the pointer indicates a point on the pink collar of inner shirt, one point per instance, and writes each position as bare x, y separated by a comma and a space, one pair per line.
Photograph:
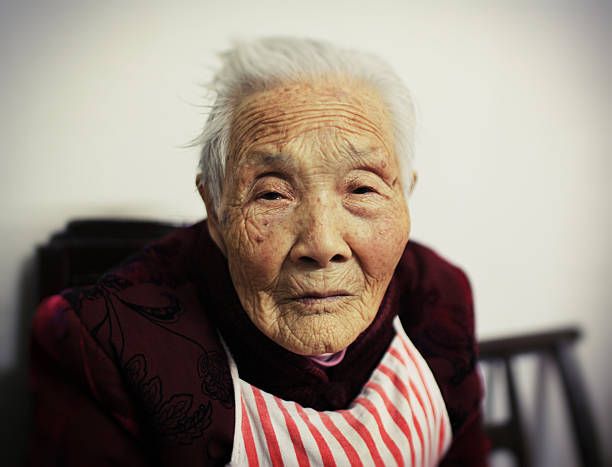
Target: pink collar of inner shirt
328, 359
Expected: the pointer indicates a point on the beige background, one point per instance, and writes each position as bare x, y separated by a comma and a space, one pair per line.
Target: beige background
514, 149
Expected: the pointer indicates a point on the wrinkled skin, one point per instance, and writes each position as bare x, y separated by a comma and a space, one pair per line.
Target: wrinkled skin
313, 219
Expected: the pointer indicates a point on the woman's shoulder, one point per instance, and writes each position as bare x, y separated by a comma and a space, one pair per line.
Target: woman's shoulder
433, 292
150, 292
140, 340
436, 310
435, 300
435, 304
423, 267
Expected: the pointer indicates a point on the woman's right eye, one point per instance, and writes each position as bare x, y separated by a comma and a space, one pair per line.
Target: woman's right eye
270, 196
362, 190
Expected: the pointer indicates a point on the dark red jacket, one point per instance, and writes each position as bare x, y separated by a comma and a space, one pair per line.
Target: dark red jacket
131, 371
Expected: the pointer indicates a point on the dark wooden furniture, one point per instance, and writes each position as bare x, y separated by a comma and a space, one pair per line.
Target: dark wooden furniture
86, 248
558, 345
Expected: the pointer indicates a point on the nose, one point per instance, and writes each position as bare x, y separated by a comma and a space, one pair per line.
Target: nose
321, 236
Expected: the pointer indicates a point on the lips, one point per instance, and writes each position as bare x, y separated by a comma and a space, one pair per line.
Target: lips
317, 297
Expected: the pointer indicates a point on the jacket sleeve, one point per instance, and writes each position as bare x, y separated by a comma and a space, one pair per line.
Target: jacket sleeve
469, 448
464, 388
82, 414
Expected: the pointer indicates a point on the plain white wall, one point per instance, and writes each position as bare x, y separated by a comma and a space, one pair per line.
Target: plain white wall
514, 143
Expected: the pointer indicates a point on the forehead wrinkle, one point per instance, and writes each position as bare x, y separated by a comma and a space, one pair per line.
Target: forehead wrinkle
298, 113
258, 135
351, 156
276, 117
361, 156
248, 109
262, 132
275, 108
275, 140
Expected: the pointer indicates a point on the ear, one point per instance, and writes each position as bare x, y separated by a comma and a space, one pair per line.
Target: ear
214, 227
413, 181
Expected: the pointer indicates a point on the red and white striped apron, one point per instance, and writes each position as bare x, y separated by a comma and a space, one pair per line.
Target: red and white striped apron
399, 418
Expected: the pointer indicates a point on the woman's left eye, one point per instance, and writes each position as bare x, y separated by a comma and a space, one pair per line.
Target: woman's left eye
362, 190
271, 196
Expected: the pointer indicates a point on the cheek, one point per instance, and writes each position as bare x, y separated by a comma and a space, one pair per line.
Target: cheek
259, 248
382, 244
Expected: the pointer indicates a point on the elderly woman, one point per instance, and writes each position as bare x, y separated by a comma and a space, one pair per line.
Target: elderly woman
297, 325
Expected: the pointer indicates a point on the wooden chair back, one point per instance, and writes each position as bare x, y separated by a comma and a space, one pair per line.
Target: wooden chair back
559, 346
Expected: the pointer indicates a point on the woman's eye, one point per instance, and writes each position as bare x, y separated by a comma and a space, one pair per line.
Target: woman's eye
362, 190
271, 196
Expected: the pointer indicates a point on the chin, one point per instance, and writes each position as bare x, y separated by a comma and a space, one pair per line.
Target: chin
321, 333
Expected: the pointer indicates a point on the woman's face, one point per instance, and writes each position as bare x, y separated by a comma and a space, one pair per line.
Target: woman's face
313, 220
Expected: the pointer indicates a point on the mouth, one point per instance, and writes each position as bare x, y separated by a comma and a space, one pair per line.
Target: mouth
317, 298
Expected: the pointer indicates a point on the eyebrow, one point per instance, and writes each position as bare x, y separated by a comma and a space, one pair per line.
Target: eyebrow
267, 158
283, 159
369, 160
285, 163
353, 151
270, 159
362, 156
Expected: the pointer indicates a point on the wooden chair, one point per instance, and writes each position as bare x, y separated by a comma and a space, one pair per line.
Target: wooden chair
558, 344
86, 248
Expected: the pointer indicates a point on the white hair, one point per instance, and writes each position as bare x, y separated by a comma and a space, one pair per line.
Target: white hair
265, 63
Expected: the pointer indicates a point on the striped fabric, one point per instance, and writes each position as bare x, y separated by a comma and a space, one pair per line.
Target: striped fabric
399, 418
